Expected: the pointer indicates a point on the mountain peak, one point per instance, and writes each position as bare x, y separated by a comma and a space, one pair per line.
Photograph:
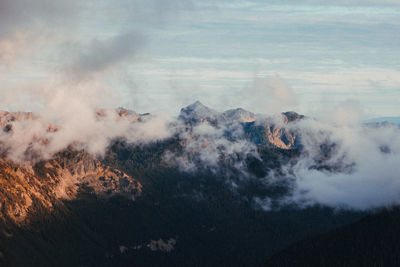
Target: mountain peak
196, 105
292, 116
197, 102
197, 112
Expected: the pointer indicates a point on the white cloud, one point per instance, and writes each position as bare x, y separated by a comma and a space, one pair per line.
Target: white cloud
363, 165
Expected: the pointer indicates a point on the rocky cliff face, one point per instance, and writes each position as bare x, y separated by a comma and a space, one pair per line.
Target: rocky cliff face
280, 137
21, 191
25, 188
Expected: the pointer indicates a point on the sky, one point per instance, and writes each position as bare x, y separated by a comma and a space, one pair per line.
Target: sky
154, 56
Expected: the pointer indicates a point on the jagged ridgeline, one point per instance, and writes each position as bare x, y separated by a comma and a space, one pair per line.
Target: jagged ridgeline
214, 191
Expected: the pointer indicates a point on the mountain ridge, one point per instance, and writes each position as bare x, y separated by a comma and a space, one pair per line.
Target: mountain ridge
132, 205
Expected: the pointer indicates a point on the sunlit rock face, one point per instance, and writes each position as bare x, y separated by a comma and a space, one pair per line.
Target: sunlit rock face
19, 189
26, 188
73, 169
281, 137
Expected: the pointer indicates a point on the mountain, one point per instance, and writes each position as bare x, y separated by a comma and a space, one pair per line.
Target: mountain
142, 203
394, 120
197, 113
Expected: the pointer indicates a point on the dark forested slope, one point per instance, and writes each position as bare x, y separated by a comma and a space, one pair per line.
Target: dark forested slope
372, 241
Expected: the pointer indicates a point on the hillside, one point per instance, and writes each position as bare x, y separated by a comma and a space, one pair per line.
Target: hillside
372, 241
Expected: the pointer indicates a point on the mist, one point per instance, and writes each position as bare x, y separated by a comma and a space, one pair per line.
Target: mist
361, 171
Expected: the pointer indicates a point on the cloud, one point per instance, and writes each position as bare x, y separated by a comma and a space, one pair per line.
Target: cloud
206, 147
15, 46
31, 138
25, 24
268, 94
15, 14
101, 55
70, 32
348, 166
138, 18
211, 140
276, 89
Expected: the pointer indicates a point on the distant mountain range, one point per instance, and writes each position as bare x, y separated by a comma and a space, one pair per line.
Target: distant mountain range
394, 120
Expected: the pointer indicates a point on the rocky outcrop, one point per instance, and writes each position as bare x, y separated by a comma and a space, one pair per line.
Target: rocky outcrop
24, 189
82, 169
280, 137
198, 113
